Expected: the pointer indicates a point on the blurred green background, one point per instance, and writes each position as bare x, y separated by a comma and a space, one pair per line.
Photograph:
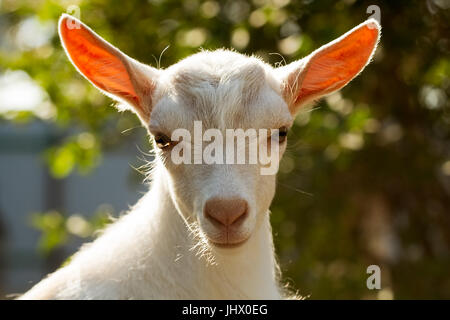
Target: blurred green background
365, 180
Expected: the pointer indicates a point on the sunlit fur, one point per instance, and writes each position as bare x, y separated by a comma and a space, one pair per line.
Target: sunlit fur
160, 249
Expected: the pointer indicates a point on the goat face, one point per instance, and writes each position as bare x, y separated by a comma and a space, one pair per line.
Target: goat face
226, 96
202, 98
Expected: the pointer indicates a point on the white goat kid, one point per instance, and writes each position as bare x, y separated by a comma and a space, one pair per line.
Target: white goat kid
202, 231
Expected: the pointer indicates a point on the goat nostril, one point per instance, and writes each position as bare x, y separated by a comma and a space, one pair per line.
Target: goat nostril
226, 212
213, 219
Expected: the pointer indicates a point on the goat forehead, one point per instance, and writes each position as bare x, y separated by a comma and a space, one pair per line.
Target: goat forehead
267, 110
218, 73
223, 89
218, 85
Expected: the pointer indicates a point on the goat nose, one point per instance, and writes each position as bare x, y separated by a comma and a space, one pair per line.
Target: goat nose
226, 211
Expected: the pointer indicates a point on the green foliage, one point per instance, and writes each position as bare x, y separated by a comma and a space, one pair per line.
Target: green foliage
366, 178
81, 150
58, 229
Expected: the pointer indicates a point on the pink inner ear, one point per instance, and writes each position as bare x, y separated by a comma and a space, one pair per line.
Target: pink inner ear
338, 63
97, 62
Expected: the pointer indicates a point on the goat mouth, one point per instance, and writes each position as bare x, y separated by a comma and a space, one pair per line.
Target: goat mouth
228, 245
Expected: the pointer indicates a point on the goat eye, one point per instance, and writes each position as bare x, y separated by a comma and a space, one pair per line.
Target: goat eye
282, 134
162, 141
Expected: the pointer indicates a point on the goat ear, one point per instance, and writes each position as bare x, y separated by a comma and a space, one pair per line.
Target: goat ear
330, 67
107, 68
